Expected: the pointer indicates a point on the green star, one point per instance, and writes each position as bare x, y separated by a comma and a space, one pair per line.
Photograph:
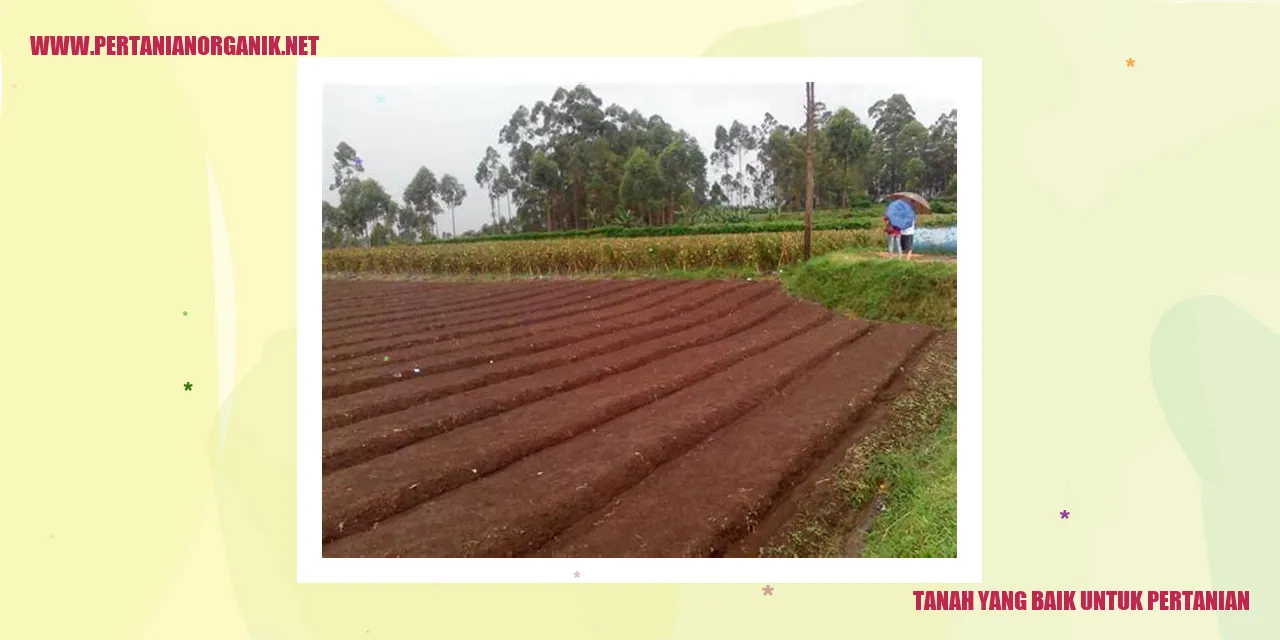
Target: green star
187, 386
184, 313
386, 358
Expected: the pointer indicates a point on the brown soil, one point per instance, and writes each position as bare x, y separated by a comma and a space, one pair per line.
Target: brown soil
563, 301
426, 304
665, 421
815, 519
675, 303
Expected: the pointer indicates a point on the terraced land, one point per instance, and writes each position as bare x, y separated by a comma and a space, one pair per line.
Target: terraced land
614, 418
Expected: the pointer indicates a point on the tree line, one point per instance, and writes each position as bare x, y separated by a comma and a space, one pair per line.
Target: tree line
572, 163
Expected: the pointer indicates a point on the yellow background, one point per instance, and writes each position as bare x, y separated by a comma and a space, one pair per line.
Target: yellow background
1115, 198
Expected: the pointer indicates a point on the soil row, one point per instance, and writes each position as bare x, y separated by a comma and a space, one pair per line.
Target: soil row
559, 298
701, 502
520, 508
340, 296
424, 333
358, 496
398, 404
424, 304
366, 373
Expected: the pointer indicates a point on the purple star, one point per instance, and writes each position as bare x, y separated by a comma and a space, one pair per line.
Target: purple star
1065, 514
575, 574
768, 590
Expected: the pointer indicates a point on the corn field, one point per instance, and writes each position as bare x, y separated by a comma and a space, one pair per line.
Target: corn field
763, 251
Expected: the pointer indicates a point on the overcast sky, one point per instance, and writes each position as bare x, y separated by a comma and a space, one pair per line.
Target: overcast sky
446, 128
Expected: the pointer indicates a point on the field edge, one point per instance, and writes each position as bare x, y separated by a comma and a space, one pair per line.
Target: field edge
881, 466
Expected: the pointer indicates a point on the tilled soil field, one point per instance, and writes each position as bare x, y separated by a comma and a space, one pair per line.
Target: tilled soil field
613, 418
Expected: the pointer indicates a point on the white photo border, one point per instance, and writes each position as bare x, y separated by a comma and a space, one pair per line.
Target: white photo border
958, 77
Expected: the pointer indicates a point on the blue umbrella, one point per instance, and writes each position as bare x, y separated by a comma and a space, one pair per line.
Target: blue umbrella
914, 201
900, 214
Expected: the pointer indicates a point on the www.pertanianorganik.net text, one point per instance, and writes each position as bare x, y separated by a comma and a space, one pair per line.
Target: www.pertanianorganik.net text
174, 45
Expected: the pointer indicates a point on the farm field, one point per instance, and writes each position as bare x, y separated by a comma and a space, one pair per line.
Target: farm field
607, 418
761, 252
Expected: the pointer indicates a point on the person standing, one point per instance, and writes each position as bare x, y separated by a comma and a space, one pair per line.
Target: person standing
902, 217
895, 237
907, 240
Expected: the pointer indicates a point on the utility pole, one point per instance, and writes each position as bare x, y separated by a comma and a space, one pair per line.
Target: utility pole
810, 113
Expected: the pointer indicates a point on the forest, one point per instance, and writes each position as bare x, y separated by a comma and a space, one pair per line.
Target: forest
571, 163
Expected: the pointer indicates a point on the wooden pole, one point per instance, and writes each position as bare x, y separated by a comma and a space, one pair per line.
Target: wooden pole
809, 109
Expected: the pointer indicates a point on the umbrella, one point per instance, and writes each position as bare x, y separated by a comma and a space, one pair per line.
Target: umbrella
916, 201
900, 213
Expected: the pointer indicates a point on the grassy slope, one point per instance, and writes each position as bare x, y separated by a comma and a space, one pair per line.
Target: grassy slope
918, 291
920, 515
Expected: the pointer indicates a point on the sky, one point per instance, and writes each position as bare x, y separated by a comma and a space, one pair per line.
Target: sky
397, 129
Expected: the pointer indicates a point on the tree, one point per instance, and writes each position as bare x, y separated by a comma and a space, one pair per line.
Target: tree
421, 196
330, 216
506, 184
898, 138
731, 144
683, 170
642, 187
363, 202
544, 176
940, 156
486, 176
409, 223
452, 193
380, 237
717, 196
572, 162
346, 164
811, 108
848, 141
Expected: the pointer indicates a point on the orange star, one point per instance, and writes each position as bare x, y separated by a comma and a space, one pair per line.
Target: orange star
1129, 62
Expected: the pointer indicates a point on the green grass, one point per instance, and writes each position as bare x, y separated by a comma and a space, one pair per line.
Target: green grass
920, 516
866, 286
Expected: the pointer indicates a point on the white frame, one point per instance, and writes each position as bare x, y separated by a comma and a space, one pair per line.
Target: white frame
959, 77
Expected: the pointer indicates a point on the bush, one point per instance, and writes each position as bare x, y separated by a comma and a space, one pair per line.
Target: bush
943, 206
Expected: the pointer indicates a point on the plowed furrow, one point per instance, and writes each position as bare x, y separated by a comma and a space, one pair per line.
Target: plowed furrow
567, 297
677, 308
401, 421
752, 460
519, 508
370, 347
361, 295
358, 496
530, 333
430, 306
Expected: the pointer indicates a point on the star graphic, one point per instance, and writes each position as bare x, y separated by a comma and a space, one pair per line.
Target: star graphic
184, 313
1065, 514
1129, 62
386, 358
187, 386
381, 98
768, 590
575, 574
